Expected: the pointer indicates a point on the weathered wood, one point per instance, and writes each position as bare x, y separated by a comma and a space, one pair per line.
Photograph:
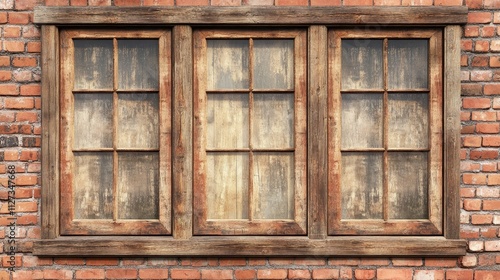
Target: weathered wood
50, 137
362, 66
251, 246
227, 64
273, 64
182, 144
408, 121
407, 64
317, 136
451, 160
137, 64
252, 15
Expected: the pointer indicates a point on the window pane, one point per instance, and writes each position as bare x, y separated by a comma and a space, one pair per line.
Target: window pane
93, 186
138, 185
227, 121
137, 120
273, 121
362, 64
408, 64
227, 64
408, 121
93, 64
93, 121
138, 64
274, 186
362, 121
362, 186
227, 186
273, 66
408, 181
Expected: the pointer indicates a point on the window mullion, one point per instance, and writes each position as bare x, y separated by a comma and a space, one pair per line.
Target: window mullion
115, 125
385, 180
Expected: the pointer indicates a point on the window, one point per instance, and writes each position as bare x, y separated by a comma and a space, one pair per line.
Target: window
115, 134
238, 140
250, 138
386, 97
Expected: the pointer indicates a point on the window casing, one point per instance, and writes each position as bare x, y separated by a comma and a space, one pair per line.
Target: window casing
178, 235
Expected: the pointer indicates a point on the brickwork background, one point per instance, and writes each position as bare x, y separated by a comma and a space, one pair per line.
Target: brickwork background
20, 143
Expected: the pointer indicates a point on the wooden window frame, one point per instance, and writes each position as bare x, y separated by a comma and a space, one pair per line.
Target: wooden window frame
181, 21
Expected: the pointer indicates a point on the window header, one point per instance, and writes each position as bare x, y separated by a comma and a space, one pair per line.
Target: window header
367, 15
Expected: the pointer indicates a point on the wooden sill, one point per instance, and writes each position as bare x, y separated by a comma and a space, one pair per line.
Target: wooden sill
250, 246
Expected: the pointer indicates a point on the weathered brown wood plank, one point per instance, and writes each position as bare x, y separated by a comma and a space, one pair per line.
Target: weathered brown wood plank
182, 78
318, 138
248, 246
50, 139
251, 15
451, 161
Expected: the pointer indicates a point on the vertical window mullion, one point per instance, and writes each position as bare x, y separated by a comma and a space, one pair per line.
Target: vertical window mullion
115, 125
385, 180
250, 122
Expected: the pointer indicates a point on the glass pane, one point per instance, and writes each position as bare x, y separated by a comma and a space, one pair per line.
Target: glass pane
227, 64
138, 120
93, 64
227, 121
408, 121
362, 64
93, 121
138, 185
93, 186
361, 186
362, 121
227, 186
273, 186
138, 64
273, 66
408, 63
408, 186
273, 121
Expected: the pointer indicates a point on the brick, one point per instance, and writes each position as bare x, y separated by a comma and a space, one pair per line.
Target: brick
476, 246
310, 261
121, 273
480, 61
325, 273
374, 261
481, 76
491, 205
487, 192
31, 90
496, 17
344, 262
496, 103
481, 219
489, 167
485, 116
459, 275
185, 274
488, 128
476, 103
482, 46
394, 274
468, 261
495, 45
272, 273
244, 274
472, 204
417, 2
428, 275
358, 2
483, 154
492, 246
470, 166
90, 274
102, 261
156, 3
472, 89
407, 262
495, 62
299, 274
57, 274
153, 273
491, 141
492, 4
34, 47
492, 89
486, 275
19, 103
326, 3
127, 2
489, 232
12, 31
471, 31
474, 179
479, 17
494, 180
217, 274
290, 2
365, 274
448, 2
99, 2
488, 31
192, 2
232, 262
24, 62
472, 141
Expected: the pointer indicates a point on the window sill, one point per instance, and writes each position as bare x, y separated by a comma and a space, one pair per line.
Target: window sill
250, 246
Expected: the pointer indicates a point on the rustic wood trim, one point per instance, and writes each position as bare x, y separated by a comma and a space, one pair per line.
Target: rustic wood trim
251, 15
255, 246
50, 134
182, 147
317, 136
451, 163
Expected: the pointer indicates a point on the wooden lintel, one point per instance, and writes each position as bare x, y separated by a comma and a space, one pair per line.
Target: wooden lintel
369, 15
250, 246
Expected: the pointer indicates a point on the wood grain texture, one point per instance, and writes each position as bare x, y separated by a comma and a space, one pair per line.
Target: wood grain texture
251, 15
182, 126
50, 137
251, 246
317, 136
452, 35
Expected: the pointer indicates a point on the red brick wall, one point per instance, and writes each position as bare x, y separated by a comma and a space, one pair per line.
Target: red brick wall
480, 191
